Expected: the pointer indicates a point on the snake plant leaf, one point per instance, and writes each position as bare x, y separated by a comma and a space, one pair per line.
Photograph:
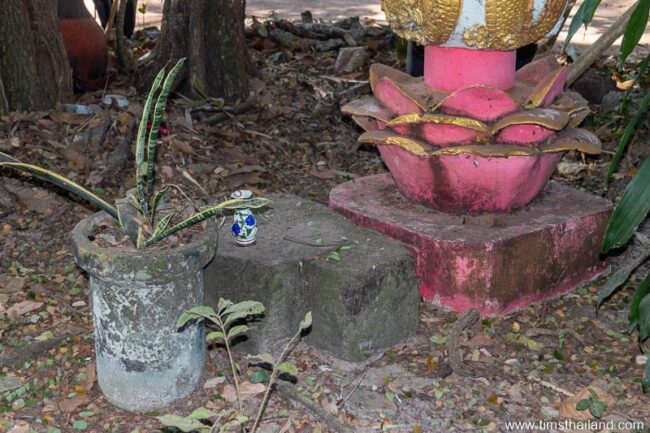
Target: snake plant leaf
209, 213
155, 201
140, 140
641, 293
634, 30
631, 210
162, 224
127, 215
7, 158
60, 181
152, 141
627, 136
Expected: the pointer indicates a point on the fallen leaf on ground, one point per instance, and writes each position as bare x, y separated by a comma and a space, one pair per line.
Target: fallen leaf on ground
568, 407
246, 390
12, 284
69, 405
21, 308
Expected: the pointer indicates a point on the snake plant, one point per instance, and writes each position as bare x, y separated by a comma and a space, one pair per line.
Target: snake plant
137, 214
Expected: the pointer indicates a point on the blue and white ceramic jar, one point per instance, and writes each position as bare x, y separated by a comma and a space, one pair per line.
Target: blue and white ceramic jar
244, 227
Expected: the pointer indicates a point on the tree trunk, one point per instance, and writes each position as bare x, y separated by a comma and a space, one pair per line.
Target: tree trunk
210, 33
34, 69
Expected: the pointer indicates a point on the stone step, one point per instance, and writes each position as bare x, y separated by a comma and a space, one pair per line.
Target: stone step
362, 303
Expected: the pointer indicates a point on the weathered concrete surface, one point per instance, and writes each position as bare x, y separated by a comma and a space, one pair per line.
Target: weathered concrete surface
492, 262
364, 302
143, 362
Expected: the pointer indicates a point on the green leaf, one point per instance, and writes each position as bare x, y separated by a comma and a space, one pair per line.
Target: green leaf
598, 408
438, 339
158, 197
80, 425
223, 304
644, 318
260, 376
584, 404
306, 322
335, 256
249, 307
233, 317
287, 368
58, 180
201, 413
182, 423
216, 335
625, 139
634, 30
236, 330
584, 15
641, 292
620, 277
632, 209
53, 430
645, 381
200, 312
126, 215
152, 141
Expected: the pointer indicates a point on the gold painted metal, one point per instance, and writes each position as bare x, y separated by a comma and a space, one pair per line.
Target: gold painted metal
423, 21
546, 117
415, 147
465, 122
509, 23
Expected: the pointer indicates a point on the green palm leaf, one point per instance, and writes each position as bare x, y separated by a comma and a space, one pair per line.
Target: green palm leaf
161, 102
140, 141
237, 203
60, 181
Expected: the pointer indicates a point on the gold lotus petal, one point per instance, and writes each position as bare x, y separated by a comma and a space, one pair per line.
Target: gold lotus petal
415, 147
369, 107
573, 139
366, 123
465, 122
546, 117
412, 87
407, 93
379, 71
487, 151
540, 91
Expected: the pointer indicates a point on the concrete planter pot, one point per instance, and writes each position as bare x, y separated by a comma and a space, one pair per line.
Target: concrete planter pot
143, 362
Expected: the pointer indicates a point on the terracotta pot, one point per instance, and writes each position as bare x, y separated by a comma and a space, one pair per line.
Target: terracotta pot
85, 44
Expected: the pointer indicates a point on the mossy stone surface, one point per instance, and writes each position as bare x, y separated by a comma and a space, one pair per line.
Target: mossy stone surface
364, 302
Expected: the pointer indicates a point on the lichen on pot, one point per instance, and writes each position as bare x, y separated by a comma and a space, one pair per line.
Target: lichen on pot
143, 362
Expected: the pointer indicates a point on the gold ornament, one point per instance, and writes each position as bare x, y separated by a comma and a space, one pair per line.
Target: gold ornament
509, 24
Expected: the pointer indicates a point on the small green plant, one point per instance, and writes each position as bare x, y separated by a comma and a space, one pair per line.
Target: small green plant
143, 10
629, 213
229, 321
137, 214
596, 406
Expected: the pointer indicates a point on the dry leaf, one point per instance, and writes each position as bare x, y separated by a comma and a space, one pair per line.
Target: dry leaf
21, 308
246, 390
568, 406
12, 284
69, 405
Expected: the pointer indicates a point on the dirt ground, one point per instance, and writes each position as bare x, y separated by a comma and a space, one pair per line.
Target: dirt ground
524, 365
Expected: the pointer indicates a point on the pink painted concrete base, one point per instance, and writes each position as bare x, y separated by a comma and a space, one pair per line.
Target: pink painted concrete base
492, 262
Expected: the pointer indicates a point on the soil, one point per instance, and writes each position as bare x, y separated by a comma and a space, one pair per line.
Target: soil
294, 140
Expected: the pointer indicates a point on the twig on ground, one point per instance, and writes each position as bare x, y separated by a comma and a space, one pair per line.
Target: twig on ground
310, 405
453, 342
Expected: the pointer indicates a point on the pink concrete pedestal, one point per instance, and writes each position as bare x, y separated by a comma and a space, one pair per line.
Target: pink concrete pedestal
492, 262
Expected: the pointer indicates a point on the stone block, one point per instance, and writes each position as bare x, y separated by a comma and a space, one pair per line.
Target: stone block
362, 303
492, 262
